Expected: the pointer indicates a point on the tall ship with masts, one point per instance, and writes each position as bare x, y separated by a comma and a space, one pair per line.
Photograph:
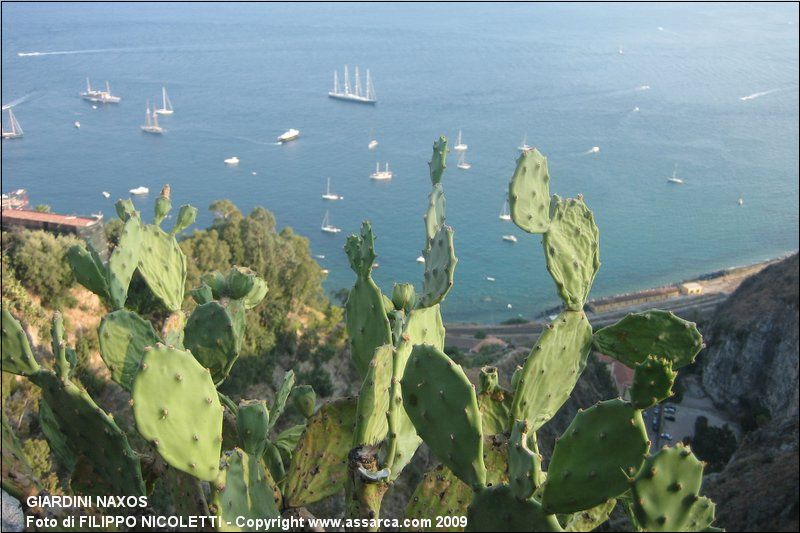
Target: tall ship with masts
15, 130
353, 93
103, 97
151, 122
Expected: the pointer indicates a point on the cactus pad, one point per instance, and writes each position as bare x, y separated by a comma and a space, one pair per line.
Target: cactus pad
524, 466
590, 519
163, 206
123, 337
441, 403
244, 490
163, 266
593, 459
281, 396
497, 509
638, 335
652, 382
213, 334
252, 424
88, 271
529, 192
17, 357
123, 261
319, 463
373, 399
494, 403
571, 247
438, 161
177, 409
440, 265
552, 369
186, 217
666, 489
304, 400
435, 214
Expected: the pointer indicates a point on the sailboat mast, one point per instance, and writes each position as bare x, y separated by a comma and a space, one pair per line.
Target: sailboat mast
164, 98
358, 83
108, 87
369, 86
346, 81
335, 82
88, 86
328, 190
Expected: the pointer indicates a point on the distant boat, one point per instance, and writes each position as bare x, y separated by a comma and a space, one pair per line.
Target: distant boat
620, 51
319, 256
327, 227
460, 146
505, 213
524, 147
420, 259
594, 150
674, 178
151, 122
372, 144
166, 105
489, 278
379, 174
233, 160
103, 97
353, 94
330, 196
636, 109
98, 215
290, 135
509, 238
15, 131
106, 194
462, 163
741, 201
77, 124
139, 191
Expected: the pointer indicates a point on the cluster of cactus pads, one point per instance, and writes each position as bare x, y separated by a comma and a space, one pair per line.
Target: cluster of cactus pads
491, 468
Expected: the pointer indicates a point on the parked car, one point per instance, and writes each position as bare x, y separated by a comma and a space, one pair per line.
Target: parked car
670, 418
670, 409
666, 436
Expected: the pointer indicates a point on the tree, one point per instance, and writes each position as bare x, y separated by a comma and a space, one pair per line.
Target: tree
40, 262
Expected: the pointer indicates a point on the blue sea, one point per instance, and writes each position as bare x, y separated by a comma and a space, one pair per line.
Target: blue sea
239, 75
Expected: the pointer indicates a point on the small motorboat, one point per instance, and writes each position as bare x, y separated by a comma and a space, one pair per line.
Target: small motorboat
106, 194
420, 259
372, 144
510, 238
77, 124
139, 191
232, 160
290, 135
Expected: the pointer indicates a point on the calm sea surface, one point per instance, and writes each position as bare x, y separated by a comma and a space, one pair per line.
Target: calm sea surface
239, 75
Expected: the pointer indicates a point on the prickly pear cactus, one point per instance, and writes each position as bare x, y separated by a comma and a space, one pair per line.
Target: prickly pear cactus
17, 355
214, 334
252, 424
124, 335
440, 266
524, 465
244, 489
437, 164
529, 192
177, 409
652, 382
498, 509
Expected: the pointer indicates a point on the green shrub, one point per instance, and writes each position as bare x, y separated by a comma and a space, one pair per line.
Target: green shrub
39, 260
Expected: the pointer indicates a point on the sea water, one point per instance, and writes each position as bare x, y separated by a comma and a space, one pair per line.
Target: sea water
711, 89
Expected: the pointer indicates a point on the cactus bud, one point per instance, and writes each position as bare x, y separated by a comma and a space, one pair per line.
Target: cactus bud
404, 297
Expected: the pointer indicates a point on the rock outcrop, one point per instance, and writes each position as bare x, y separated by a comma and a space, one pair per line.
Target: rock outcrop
752, 354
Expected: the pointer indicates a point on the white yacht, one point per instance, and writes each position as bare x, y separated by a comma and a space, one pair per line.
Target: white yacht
103, 97
15, 130
77, 124
505, 214
290, 135
327, 227
106, 194
741, 201
151, 122
233, 160
462, 163
674, 178
510, 238
139, 191
420, 259
524, 147
329, 195
166, 105
379, 174
372, 144
460, 146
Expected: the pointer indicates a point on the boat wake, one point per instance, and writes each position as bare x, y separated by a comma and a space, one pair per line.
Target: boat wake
757, 95
18, 101
75, 52
642, 88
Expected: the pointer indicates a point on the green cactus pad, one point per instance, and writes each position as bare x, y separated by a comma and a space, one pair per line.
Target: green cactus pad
666, 489
701, 516
240, 281
125, 209
90, 431
244, 490
593, 459
17, 356
123, 337
552, 369
524, 466
529, 192
434, 216
177, 409
213, 334
373, 399
590, 519
652, 382
440, 265
163, 206
441, 493
571, 247
18, 477
59, 444
497, 509
202, 294
494, 403
441, 403
123, 261
281, 397
252, 424
304, 400
319, 463
438, 161
163, 266
638, 335
367, 324
217, 282
88, 271
186, 217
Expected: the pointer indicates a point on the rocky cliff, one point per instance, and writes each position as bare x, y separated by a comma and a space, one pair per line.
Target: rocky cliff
752, 355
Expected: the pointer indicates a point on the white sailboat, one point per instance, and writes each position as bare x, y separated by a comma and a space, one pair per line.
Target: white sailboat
327, 227
460, 146
524, 146
353, 94
151, 122
674, 178
462, 163
379, 174
505, 214
15, 131
166, 105
329, 195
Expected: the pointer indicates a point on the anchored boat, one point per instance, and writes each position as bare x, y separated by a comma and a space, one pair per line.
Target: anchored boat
674, 178
505, 214
460, 146
329, 195
379, 174
354, 93
327, 227
166, 105
94, 95
15, 131
151, 122
290, 135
